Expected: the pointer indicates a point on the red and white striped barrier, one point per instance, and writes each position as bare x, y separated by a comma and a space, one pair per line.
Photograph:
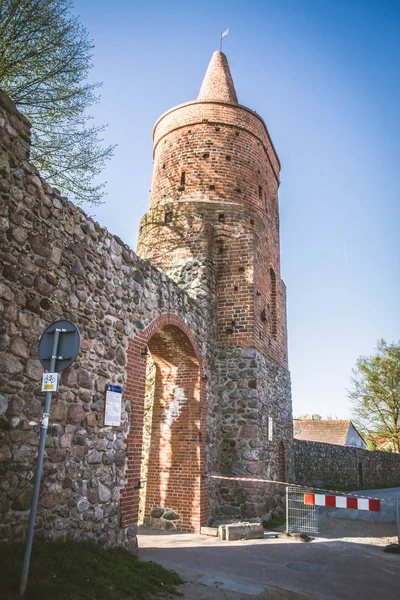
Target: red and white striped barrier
343, 502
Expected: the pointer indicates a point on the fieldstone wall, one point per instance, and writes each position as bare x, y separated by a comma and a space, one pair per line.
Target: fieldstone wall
57, 263
256, 432
328, 465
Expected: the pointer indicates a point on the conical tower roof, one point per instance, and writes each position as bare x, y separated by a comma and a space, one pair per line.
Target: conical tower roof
218, 83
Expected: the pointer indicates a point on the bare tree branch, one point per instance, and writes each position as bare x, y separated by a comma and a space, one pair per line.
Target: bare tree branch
45, 59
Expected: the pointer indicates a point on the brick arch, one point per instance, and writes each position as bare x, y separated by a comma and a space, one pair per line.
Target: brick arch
170, 319
190, 501
224, 233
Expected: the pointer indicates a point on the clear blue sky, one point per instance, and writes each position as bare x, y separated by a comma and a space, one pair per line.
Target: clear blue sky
325, 76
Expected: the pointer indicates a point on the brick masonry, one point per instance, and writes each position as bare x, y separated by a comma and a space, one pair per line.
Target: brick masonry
214, 201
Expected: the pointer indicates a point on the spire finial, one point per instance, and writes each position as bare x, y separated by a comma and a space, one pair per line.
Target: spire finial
223, 34
218, 83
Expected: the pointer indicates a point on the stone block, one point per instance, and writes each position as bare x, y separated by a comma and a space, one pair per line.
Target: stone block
244, 531
24, 500
3, 405
212, 531
75, 413
171, 515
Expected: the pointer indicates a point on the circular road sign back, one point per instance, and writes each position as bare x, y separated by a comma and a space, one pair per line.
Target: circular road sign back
69, 343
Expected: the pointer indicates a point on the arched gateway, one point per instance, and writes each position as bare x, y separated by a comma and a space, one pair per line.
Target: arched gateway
166, 440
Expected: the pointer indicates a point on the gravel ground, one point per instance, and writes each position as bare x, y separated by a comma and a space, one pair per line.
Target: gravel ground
358, 532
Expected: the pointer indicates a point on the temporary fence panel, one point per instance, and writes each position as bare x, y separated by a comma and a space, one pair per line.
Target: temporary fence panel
300, 517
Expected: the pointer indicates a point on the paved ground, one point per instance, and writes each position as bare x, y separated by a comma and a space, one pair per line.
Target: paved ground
272, 569
197, 591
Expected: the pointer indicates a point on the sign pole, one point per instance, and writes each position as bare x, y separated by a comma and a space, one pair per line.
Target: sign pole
287, 509
38, 474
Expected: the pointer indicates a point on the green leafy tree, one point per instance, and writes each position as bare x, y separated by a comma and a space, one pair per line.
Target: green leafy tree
371, 443
45, 59
376, 394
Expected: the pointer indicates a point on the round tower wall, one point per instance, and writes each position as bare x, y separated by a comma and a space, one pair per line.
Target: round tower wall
205, 144
214, 202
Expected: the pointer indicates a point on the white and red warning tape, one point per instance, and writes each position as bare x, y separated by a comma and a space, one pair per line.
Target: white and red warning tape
341, 501
253, 479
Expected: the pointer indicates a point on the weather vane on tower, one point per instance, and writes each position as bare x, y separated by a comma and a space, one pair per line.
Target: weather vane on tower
223, 34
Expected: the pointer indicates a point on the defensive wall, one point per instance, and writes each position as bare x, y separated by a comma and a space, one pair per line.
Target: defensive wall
58, 263
329, 466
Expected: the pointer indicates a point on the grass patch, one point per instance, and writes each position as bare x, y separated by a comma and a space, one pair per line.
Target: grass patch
275, 524
82, 571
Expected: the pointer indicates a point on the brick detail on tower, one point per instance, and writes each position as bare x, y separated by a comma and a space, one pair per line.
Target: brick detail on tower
214, 200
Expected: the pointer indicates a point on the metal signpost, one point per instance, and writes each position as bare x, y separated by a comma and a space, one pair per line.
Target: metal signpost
58, 348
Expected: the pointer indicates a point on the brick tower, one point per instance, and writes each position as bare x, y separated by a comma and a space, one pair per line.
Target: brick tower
213, 227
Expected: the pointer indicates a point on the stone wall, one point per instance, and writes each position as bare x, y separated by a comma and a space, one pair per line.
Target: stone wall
330, 466
255, 399
58, 263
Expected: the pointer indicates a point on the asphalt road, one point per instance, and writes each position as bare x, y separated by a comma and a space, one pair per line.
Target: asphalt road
321, 569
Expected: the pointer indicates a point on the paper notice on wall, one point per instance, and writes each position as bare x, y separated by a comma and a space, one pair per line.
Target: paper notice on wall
270, 428
112, 415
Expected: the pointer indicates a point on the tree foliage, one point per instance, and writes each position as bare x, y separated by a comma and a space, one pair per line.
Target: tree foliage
45, 59
376, 394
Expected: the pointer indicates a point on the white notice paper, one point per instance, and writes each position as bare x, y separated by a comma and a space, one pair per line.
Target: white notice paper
113, 407
270, 429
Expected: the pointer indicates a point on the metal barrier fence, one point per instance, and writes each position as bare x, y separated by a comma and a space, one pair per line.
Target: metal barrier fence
343, 516
300, 517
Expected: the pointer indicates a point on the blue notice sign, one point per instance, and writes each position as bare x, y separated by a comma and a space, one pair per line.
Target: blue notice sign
112, 415
114, 388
